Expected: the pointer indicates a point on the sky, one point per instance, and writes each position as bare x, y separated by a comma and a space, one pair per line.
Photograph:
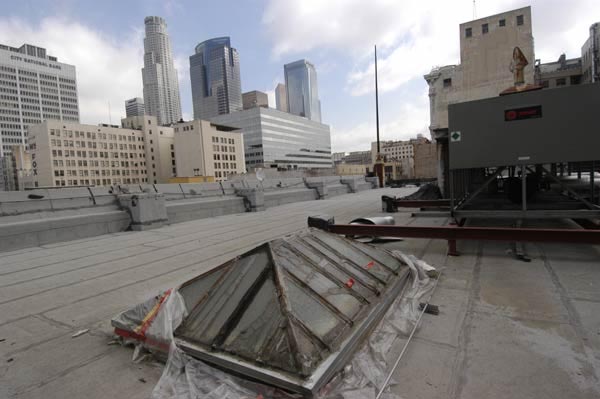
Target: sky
104, 40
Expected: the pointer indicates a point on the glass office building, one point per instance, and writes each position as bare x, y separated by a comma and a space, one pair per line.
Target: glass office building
275, 139
215, 78
302, 90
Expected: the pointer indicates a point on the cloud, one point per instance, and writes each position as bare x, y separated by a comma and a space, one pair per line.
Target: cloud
410, 119
108, 69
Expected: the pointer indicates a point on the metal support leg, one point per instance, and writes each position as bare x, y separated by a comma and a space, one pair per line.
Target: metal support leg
592, 186
523, 188
452, 251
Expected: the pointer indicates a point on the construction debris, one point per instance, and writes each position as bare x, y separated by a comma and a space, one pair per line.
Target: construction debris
80, 332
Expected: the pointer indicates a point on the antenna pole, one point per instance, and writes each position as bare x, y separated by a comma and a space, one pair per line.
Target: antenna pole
378, 161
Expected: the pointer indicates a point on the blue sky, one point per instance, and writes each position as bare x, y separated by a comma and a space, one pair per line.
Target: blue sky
103, 39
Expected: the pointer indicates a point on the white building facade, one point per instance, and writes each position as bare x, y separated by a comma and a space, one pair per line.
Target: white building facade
33, 87
207, 149
275, 139
159, 76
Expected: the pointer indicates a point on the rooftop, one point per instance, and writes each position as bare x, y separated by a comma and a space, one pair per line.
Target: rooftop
505, 329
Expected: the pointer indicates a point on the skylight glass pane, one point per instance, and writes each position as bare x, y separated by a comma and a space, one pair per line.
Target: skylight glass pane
209, 318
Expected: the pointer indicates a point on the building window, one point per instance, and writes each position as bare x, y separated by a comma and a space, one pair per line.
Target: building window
484, 28
468, 32
448, 82
520, 20
575, 80
502, 22
561, 81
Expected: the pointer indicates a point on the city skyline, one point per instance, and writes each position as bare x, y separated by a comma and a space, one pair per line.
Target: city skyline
267, 38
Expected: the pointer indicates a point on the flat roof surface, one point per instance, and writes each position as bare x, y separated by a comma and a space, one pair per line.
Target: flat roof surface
506, 328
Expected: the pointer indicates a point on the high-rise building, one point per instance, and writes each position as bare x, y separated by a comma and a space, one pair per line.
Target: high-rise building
281, 97
275, 139
302, 90
161, 88
215, 78
134, 107
34, 87
254, 99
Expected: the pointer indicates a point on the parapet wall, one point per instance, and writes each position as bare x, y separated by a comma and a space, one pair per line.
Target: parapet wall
43, 216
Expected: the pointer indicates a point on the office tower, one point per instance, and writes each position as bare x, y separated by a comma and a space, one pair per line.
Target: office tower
34, 87
302, 90
215, 78
161, 88
281, 97
134, 107
253, 99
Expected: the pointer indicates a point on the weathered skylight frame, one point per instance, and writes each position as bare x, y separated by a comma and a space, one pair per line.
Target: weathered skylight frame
338, 356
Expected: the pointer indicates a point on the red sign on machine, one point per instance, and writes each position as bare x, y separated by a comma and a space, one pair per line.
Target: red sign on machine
516, 114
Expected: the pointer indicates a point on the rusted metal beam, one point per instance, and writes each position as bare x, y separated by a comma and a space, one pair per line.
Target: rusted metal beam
471, 233
421, 203
391, 204
454, 233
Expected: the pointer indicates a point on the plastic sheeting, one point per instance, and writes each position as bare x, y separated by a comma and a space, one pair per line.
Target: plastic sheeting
187, 378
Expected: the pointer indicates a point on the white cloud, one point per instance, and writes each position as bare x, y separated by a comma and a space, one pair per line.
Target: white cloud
109, 69
410, 119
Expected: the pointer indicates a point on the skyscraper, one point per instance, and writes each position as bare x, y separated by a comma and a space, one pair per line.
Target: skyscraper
161, 88
281, 97
215, 78
302, 91
134, 107
34, 87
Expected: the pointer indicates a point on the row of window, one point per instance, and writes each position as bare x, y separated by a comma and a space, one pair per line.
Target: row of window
224, 157
99, 182
225, 165
95, 172
223, 140
485, 28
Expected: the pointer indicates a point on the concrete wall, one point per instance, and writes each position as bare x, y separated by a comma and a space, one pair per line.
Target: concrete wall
43, 216
425, 160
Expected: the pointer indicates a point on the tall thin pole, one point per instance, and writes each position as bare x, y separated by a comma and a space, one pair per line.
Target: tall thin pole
379, 167
377, 103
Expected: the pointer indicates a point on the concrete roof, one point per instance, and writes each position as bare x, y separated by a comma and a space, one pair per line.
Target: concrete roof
506, 328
